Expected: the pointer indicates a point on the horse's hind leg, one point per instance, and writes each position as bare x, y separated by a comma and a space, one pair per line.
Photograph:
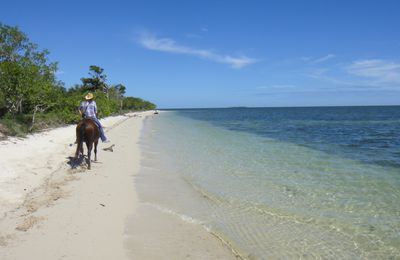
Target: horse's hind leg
95, 150
77, 150
89, 147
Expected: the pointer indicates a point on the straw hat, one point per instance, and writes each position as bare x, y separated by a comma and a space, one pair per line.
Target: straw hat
89, 96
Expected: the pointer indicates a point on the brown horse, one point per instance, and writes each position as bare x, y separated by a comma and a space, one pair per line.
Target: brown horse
88, 132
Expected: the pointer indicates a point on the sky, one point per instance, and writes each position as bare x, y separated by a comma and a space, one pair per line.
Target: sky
212, 53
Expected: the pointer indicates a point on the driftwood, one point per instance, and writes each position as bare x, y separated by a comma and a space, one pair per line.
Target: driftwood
110, 149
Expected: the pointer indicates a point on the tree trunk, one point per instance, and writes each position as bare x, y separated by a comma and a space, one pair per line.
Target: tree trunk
19, 106
33, 117
38, 108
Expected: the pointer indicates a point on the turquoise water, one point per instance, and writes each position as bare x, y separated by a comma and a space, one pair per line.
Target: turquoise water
273, 189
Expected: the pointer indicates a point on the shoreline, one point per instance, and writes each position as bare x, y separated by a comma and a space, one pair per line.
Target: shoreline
50, 211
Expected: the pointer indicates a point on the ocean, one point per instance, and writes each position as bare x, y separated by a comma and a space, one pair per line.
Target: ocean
288, 183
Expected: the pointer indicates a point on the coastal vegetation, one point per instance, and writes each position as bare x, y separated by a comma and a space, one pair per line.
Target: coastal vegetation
32, 98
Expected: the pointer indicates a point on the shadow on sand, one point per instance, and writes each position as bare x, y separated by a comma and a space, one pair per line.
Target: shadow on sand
80, 162
77, 162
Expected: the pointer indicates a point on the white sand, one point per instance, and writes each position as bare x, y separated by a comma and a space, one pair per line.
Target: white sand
50, 211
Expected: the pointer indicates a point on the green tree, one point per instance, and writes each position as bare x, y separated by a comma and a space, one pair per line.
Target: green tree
13, 44
117, 93
27, 79
3, 108
15, 53
97, 81
135, 103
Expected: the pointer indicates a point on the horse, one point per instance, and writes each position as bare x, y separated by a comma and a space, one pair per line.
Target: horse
87, 131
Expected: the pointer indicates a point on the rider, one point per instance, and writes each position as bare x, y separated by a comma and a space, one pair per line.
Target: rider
88, 109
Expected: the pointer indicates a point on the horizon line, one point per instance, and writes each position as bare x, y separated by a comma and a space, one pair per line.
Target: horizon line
251, 107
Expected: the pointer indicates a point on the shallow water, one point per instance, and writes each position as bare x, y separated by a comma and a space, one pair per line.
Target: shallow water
297, 183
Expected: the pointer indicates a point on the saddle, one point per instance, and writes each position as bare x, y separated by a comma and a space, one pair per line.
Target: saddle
91, 119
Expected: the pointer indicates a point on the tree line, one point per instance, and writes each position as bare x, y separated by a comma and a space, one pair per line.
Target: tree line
31, 96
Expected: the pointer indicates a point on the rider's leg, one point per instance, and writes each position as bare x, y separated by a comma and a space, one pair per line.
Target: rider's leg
101, 130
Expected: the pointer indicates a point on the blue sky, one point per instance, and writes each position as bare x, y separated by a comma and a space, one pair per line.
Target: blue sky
225, 53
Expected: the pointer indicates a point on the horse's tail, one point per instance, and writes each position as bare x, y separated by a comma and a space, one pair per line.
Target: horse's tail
80, 133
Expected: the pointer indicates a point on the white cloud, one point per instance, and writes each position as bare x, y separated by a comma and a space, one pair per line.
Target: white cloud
324, 58
381, 71
151, 42
313, 60
361, 75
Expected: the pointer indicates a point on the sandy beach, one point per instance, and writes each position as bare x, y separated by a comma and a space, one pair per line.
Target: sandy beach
50, 210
